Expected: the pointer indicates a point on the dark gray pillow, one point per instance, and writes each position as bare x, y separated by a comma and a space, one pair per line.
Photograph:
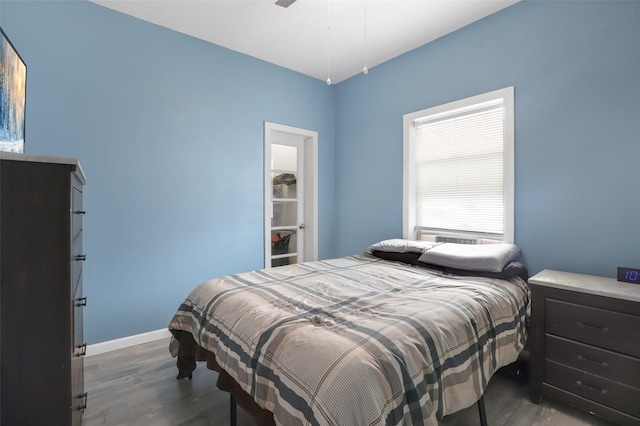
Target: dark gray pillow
397, 245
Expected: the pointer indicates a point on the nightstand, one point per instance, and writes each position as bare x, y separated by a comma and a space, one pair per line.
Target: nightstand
585, 344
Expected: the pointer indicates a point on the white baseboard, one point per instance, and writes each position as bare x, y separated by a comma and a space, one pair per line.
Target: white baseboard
126, 342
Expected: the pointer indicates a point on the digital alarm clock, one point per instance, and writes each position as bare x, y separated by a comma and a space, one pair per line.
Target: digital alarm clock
629, 275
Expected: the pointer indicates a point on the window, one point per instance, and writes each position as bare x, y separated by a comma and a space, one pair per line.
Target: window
459, 170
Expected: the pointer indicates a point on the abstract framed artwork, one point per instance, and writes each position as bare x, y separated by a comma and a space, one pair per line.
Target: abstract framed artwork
13, 97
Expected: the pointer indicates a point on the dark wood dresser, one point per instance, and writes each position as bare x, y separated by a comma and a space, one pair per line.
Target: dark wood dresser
585, 344
41, 301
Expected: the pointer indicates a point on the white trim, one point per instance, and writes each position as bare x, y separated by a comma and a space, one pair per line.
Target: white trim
266, 193
311, 202
409, 186
310, 189
509, 165
409, 121
126, 342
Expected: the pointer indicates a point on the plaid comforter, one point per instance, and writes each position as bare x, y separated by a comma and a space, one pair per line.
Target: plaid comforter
358, 340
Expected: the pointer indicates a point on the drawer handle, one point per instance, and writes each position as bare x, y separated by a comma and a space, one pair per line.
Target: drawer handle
83, 404
602, 363
79, 212
80, 257
597, 327
602, 391
83, 350
82, 301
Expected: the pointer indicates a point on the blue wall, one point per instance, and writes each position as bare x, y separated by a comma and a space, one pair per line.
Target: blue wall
169, 131
576, 71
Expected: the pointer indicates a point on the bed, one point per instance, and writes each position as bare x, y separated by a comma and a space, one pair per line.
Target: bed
404, 333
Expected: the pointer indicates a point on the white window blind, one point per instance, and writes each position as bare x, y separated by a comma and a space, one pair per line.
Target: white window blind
459, 170
458, 158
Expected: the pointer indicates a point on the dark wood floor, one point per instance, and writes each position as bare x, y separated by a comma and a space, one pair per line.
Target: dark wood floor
137, 386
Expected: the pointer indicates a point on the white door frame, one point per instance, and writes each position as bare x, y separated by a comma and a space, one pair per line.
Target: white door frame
310, 220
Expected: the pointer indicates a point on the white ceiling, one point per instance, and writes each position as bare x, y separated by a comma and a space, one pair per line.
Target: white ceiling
319, 38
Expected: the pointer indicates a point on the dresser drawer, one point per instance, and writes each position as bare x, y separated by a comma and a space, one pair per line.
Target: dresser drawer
76, 211
77, 332
595, 388
599, 327
78, 395
77, 261
600, 362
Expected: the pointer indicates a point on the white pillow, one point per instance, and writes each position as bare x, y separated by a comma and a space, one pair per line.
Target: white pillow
397, 245
472, 257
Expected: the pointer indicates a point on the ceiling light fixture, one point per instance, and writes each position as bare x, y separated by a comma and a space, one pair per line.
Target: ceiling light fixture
329, 42
365, 70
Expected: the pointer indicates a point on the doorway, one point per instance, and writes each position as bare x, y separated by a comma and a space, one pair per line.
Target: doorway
290, 195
